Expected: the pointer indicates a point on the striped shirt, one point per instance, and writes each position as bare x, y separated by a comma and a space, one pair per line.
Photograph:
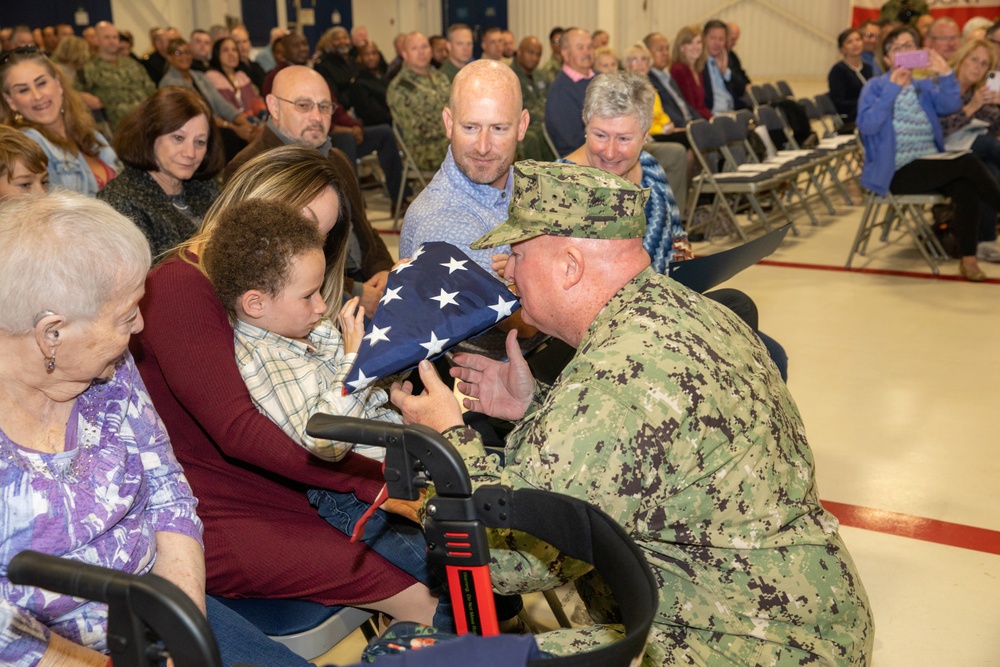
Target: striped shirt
914, 134
290, 380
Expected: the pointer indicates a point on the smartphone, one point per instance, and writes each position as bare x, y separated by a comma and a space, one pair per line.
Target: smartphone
912, 59
993, 80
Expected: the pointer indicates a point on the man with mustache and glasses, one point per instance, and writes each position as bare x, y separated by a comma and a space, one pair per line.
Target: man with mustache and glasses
301, 111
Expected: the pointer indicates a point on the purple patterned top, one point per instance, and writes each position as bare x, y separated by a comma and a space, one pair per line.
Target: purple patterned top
100, 501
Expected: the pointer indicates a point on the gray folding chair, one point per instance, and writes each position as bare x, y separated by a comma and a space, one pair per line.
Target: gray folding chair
909, 212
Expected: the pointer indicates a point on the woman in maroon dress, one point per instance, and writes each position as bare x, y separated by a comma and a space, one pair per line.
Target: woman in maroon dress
689, 62
262, 537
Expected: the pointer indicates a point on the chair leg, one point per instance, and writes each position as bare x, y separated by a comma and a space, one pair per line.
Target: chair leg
863, 229
557, 609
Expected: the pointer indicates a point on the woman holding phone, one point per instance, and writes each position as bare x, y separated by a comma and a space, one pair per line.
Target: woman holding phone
898, 122
976, 125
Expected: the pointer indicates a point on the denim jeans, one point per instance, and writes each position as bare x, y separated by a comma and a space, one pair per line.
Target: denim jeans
240, 641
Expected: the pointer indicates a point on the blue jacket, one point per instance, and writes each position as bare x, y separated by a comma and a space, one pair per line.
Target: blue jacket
72, 171
564, 113
937, 98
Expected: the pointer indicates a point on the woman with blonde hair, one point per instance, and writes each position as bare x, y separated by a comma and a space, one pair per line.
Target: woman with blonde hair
248, 475
38, 100
975, 127
689, 61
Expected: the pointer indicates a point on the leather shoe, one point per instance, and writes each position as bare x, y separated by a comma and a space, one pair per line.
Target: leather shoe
974, 275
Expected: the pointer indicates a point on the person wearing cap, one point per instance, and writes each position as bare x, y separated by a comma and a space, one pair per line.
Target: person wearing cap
673, 420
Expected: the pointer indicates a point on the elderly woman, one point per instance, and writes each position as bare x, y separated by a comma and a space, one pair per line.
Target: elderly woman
617, 113
898, 122
250, 478
38, 100
86, 468
171, 150
975, 126
849, 75
689, 57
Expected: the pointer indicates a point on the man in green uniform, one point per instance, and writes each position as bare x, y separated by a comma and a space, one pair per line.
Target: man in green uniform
533, 87
416, 98
553, 65
673, 420
459, 49
119, 82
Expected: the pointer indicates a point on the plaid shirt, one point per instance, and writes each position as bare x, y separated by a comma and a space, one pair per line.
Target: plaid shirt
290, 380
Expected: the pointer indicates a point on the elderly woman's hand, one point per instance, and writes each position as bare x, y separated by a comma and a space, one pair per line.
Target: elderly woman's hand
980, 98
937, 63
901, 76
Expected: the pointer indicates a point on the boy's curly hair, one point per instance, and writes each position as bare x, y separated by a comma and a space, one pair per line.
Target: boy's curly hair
253, 247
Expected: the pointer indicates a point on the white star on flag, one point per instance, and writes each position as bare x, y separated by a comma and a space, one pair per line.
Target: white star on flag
404, 265
391, 295
417, 253
434, 346
445, 298
378, 334
454, 265
361, 382
503, 308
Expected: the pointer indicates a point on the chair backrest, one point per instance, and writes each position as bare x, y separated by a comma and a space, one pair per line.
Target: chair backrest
757, 96
784, 89
769, 118
734, 151
771, 93
706, 141
812, 111
829, 110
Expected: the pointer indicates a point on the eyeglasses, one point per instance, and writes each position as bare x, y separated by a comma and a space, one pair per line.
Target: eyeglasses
182, 52
306, 105
870, 35
948, 38
638, 59
19, 51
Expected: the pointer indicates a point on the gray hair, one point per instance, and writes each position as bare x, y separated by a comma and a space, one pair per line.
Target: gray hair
66, 253
617, 94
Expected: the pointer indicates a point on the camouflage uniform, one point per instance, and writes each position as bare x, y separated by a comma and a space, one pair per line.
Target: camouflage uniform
533, 89
449, 69
672, 419
120, 85
415, 102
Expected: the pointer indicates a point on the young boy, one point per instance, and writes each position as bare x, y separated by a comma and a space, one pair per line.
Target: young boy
266, 262
23, 165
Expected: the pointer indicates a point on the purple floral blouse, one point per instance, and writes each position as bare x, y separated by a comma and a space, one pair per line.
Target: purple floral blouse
100, 501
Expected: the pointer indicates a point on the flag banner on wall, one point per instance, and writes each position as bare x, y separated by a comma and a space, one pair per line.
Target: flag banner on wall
960, 10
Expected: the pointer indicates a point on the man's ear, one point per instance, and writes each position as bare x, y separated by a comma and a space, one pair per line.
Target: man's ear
573, 265
254, 304
446, 118
522, 125
272, 106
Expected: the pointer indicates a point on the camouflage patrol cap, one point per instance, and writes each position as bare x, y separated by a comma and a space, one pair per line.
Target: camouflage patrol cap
569, 200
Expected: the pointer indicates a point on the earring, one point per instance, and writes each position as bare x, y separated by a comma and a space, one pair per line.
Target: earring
50, 363
18, 118
62, 110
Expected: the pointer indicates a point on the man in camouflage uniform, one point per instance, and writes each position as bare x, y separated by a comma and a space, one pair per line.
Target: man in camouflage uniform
533, 89
416, 98
673, 420
547, 72
119, 82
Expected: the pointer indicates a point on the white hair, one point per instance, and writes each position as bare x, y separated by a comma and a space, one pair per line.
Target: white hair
617, 94
66, 253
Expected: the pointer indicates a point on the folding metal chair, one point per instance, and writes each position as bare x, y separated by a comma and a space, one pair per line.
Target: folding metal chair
784, 89
908, 210
410, 170
708, 140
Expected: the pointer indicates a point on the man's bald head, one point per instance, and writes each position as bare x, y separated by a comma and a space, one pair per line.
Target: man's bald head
417, 52
529, 53
484, 120
486, 78
296, 86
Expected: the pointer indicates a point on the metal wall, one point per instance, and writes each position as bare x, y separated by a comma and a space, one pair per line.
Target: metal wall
780, 38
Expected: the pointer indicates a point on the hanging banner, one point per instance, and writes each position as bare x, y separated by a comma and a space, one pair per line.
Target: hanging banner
960, 10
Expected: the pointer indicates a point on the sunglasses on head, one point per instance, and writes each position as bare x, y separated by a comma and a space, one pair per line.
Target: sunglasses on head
19, 51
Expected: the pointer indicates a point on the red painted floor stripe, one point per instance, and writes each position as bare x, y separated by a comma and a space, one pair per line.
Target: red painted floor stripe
880, 272
916, 527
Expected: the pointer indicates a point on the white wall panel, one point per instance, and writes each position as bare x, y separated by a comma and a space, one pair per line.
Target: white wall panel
538, 17
138, 16
387, 18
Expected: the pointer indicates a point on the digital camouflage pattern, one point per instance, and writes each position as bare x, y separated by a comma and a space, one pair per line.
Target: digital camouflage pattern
416, 102
569, 200
120, 85
672, 418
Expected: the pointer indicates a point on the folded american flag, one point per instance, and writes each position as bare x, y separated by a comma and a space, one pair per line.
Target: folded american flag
434, 302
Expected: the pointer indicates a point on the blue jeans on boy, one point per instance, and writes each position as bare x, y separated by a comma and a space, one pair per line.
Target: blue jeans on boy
394, 538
